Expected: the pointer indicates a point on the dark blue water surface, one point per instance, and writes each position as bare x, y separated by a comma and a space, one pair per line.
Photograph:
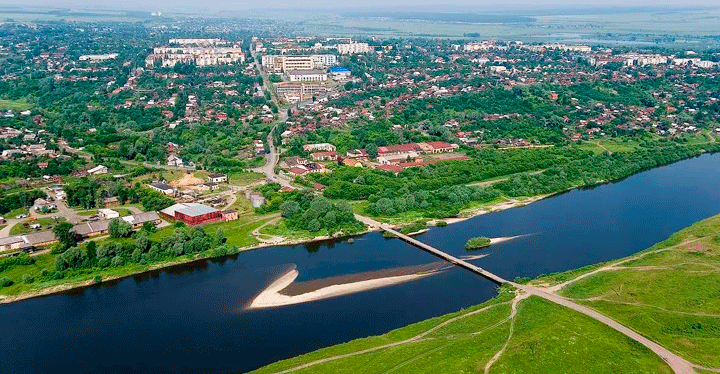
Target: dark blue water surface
190, 318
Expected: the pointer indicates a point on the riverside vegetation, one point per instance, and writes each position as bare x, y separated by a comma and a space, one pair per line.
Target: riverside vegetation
639, 291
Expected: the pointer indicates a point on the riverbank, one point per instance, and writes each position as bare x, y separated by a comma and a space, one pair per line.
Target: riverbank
646, 292
61, 285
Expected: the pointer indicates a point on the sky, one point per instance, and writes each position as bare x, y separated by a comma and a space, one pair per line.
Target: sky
414, 5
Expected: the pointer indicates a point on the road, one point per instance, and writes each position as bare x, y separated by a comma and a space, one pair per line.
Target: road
678, 364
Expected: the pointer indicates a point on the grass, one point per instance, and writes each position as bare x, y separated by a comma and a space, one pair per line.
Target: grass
244, 178
549, 338
19, 104
544, 334
672, 296
356, 363
24, 227
239, 232
16, 212
674, 300
90, 212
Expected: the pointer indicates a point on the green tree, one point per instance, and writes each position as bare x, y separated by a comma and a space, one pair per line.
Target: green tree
118, 228
64, 234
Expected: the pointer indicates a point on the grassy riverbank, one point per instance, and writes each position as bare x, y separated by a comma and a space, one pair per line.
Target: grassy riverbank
41, 278
668, 293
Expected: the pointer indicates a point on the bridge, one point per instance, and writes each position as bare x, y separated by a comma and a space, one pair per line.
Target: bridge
678, 364
449, 258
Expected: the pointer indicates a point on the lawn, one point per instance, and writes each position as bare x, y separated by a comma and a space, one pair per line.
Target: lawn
19, 104
244, 178
24, 227
670, 296
239, 232
90, 212
547, 339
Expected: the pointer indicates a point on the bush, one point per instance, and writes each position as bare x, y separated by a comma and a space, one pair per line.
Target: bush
477, 243
97, 279
4, 282
441, 224
27, 279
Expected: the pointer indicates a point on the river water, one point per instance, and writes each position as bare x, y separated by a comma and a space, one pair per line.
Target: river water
191, 318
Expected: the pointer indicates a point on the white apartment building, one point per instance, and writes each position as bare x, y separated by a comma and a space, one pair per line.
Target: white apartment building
353, 48
307, 75
200, 56
286, 63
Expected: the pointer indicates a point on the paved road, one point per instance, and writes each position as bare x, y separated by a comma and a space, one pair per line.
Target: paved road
678, 364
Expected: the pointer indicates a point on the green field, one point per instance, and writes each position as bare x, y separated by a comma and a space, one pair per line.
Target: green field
669, 293
24, 227
20, 104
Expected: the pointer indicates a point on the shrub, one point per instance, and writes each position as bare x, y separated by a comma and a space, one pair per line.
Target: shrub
4, 282
477, 243
441, 224
27, 278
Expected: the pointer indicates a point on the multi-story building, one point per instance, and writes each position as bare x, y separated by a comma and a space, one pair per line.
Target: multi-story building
286, 63
353, 48
293, 92
307, 75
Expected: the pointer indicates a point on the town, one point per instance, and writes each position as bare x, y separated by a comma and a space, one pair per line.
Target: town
129, 147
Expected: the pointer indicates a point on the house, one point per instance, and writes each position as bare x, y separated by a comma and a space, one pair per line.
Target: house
192, 213
319, 147
217, 178
40, 239
175, 161
42, 165
230, 215
94, 228
162, 187
211, 186
111, 201
357, 153
137, 220
324, 156
398, 149
97, 170
437, 147
12, 243
108, 213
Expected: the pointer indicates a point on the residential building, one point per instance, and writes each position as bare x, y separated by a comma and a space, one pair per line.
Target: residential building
324, 156
105, 213
307, 75
162, 187
327, 147
97, 170
217, 178
353, 48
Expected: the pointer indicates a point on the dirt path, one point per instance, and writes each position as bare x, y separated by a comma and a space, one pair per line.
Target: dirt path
513, 313
265, 238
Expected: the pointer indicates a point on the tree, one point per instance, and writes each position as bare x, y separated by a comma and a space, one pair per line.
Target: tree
220, 237
64, 234
289, 209
314, 225
142, 242
91, 250
118, 228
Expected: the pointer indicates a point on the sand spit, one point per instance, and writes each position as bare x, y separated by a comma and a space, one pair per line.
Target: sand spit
503, 239
284, 291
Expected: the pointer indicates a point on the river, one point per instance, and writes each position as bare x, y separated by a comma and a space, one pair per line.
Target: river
191, 318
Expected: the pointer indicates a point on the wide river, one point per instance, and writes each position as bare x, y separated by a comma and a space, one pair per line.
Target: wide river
191, 319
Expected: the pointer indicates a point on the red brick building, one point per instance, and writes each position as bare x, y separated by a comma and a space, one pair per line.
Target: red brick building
192, 213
